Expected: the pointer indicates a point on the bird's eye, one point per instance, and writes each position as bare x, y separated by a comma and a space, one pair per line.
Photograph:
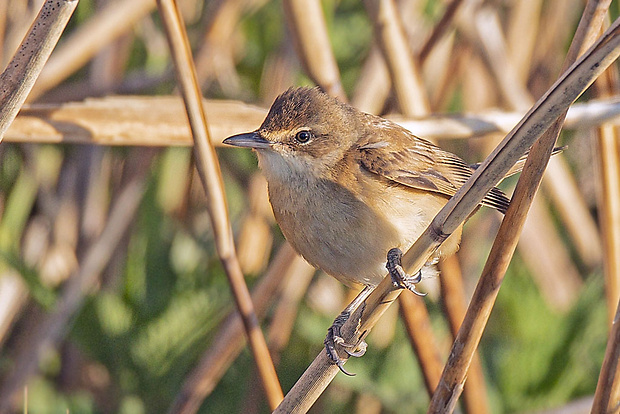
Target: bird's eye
303, 136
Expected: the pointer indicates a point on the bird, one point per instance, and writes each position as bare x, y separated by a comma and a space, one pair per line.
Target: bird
350, 190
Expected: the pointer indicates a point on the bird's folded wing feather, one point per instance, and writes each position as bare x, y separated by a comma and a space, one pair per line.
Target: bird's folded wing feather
419, 164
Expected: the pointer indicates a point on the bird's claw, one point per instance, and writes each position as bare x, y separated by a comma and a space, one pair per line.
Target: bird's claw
400, 278
357, 350
334, 339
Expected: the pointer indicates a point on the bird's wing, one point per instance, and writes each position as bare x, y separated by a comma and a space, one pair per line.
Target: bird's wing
417, 163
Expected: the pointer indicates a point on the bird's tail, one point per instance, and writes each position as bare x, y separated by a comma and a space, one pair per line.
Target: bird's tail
496, 198
518, 167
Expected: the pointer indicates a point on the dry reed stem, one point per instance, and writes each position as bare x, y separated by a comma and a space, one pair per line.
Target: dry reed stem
563, 93
522, 36
479, 91
282, 321
416, 317
542, 248
142, 121
293, 290
368, 403
383, 334
608, 194
215, 57
559, 181
108, 66
488, 33
210, 176
52, 329
417, 323
403, 69
89, 207
570, 203
21, 14
609, 207
13, 297
558, 19
229, 339
160, 121
455, 372
279, 73
404, 74
373, 85
307, 24
607, 394
454, 303
3, 19
441, 71
255, 239
23, 70
495, 51
439, 30
86, 41
564, 190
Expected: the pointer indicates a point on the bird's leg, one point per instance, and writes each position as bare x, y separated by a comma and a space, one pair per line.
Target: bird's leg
334, 338
400, 278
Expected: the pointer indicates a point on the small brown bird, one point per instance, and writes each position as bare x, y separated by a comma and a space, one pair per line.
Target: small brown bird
347, 187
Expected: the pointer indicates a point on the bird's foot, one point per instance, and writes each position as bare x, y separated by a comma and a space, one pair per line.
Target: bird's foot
400, 278
334, 339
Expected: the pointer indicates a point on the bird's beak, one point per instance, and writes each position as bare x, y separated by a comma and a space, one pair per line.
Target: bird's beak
248, 140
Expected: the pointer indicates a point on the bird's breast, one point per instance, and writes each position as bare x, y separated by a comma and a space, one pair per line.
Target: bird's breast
332, 229
348, 234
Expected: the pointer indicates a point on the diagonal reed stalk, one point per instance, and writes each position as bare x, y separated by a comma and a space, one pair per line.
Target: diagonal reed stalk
608, 155
607, 394
538, 119
455, 373
540, 246
475, 397
211, 178
23, 70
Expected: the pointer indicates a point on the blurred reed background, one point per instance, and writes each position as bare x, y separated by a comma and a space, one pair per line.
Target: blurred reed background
112, 298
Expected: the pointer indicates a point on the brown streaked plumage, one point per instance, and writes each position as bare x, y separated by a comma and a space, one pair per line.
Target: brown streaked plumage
346, 186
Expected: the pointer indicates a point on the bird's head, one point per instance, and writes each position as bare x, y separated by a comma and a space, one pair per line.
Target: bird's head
305, 132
